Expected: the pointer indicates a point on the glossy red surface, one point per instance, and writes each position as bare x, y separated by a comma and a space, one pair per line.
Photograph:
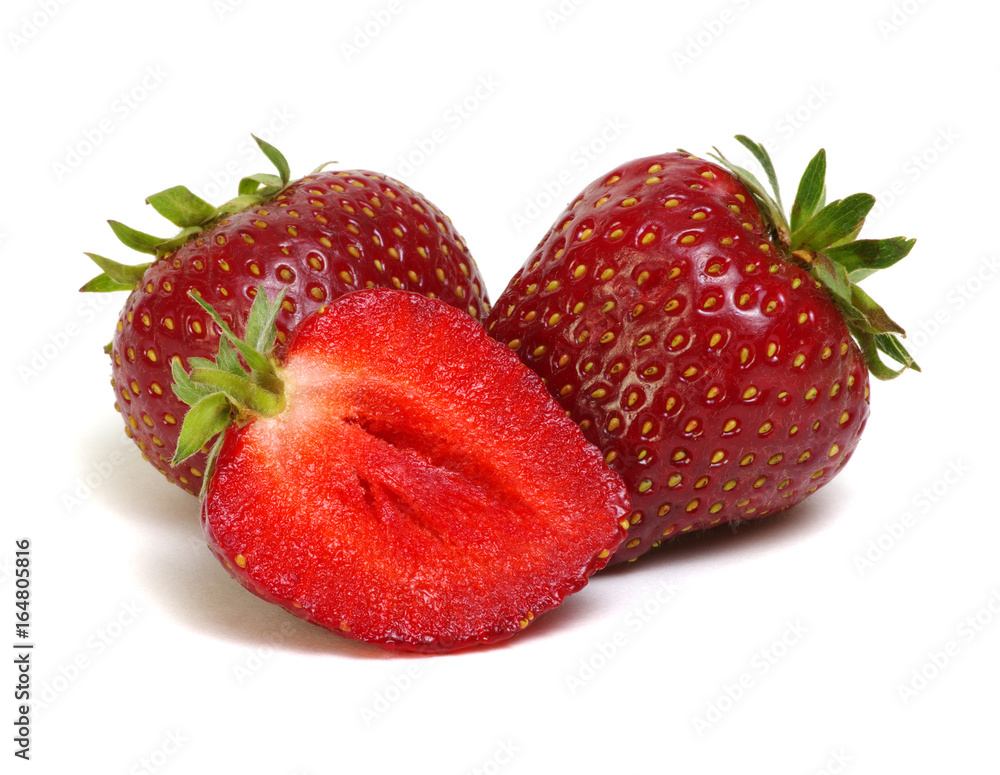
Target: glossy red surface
717, 378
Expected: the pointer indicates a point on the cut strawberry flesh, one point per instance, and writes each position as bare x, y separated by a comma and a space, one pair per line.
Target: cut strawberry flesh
421, 489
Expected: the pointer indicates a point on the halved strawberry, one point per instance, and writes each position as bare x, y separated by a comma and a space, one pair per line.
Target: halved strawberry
715, 350
316, 238
399, 477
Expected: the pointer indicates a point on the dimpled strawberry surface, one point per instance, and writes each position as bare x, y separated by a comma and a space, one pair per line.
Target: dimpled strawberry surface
675, 325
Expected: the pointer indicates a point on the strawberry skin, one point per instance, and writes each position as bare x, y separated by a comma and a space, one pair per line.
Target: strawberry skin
320, 237
417, 488
719, 378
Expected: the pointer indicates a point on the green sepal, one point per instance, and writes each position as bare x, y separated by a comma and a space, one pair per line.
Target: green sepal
892, 347
186, 390
863, 257
255, 360
872, 344
875, 318
181, 207
194, 362
873, 360
835, 222
847, 238
829, 273
811, 194
247, 187
213, 455
227, 360
103, 284
137, 240
121, 274
206, 419
172, 244
251, 183
239, 204
261, 328
276, 158
764, 159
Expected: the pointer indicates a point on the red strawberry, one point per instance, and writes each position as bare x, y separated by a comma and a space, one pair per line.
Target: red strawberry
715, 352
316, 238
399, 477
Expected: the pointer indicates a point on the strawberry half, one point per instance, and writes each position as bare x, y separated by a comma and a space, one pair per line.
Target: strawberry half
315, 238
399, 477
715, 351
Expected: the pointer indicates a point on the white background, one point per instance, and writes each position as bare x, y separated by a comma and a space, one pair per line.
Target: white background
856, 634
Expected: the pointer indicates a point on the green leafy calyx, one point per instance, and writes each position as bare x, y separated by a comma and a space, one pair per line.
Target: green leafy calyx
192, 215
229, 390
823, 239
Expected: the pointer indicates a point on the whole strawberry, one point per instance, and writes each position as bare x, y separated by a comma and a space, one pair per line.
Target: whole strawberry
716, 352
316, 238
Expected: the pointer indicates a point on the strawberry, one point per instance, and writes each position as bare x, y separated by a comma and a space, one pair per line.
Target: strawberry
395, 476
316, 238
717, 352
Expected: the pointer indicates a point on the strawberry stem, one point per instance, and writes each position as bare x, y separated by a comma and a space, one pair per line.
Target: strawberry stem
242, 393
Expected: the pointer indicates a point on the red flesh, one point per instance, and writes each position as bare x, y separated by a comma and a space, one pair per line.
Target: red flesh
678, 355
421, 490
